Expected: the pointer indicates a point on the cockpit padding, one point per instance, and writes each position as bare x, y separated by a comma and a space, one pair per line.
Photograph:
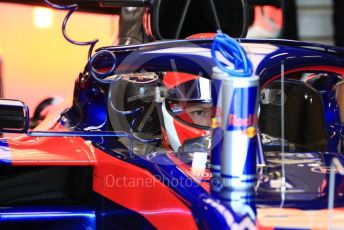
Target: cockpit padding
128, 96
304, 123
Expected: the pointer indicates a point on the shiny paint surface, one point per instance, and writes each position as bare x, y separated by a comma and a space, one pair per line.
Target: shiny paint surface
137, 189
209, 212
114, 216
51, 217
161, 203
193, 57
39, 151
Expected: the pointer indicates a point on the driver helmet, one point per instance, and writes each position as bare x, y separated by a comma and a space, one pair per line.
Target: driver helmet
186, 110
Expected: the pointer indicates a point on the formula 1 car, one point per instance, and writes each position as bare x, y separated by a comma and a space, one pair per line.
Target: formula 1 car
124, 153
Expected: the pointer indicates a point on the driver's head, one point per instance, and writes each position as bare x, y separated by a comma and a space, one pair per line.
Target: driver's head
197, 113
186, 111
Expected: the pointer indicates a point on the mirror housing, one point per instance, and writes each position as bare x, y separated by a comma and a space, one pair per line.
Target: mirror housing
123, 3
179, 19
14, 116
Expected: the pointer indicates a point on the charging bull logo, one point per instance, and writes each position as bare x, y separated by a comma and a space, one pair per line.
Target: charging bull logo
247, 124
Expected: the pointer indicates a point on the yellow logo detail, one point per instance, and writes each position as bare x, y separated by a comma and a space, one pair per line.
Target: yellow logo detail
214, 123
251, 132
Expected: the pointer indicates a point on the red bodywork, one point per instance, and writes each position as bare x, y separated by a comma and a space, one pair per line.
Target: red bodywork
112, 177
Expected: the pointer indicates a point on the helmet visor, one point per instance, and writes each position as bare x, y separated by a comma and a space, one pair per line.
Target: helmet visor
195, 90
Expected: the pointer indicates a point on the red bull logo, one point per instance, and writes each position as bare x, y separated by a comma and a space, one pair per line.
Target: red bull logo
239, 122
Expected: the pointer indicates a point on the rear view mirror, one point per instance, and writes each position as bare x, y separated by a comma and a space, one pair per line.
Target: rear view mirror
14, 116
178, 19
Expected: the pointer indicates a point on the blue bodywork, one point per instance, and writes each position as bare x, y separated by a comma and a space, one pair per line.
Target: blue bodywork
193, 57
305, 172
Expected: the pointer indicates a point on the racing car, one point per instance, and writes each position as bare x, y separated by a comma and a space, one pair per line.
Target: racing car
124, 153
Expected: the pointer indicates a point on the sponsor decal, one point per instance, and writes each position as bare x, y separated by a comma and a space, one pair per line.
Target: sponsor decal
239, 122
